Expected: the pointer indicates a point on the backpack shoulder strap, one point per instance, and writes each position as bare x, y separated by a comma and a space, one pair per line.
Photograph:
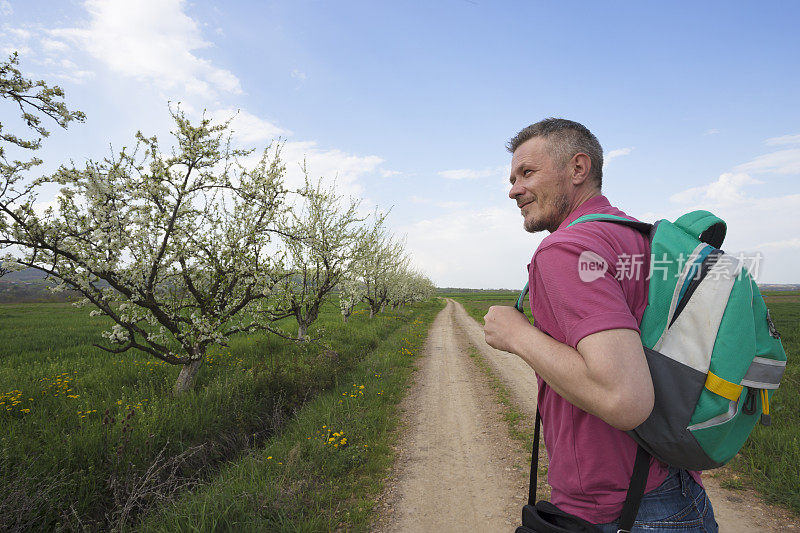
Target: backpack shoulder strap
644, 227
704, 226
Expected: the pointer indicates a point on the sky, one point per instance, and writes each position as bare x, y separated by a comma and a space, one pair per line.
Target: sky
409, 105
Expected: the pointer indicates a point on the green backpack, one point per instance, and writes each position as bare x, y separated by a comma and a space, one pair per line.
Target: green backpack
714, 354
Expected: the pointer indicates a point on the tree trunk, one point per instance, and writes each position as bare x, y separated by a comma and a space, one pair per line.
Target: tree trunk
345, 317
302, 329
371, 312
188, 375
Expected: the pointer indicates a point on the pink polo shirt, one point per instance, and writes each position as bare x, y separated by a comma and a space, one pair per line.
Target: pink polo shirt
572, 297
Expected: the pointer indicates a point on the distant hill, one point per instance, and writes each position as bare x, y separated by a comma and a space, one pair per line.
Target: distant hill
27, 274
443, 290
31, 285
779, 287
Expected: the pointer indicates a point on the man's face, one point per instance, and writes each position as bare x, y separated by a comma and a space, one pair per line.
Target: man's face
539, 185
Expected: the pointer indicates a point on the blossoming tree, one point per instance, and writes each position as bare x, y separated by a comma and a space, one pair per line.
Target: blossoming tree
35, 100
177, 248
351, 292
331, 238
383, 257
407, 286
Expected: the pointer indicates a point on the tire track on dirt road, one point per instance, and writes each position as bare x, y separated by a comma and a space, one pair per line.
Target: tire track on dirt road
456, 467
735, 511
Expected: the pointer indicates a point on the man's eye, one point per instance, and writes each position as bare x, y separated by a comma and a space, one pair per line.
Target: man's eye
526, 172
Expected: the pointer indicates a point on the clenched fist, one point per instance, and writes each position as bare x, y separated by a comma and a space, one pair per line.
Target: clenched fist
504, 325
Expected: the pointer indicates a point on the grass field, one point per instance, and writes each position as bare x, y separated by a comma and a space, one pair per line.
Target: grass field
770, 460
97, 441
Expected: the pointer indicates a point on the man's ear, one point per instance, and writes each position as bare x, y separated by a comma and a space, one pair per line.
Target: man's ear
580, 166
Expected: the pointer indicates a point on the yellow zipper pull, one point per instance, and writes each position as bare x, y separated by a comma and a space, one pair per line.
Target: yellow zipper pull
765, 418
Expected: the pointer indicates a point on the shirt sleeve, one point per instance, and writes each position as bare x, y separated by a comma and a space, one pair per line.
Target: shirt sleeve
577, 294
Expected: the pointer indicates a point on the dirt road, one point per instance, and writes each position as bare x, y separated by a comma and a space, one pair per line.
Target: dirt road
458, 469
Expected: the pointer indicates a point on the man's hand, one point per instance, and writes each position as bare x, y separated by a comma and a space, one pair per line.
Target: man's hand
503, 325
607, 375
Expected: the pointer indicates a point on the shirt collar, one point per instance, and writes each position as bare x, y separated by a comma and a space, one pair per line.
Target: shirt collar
590, 206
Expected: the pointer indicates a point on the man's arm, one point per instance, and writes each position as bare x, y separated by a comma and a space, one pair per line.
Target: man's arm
607, 375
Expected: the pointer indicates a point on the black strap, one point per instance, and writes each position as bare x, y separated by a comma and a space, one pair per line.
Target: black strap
534, 461
641, 469
714, 235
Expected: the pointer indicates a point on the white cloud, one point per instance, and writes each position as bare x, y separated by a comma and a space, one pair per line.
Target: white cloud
765, 224
441, 205
5, 8
471, 174
331, 164
711, 131
41, 208
53, 45
614, 154
445, 248
152, 41
789, 243
36, 49
780, 162
299, 75
18, 33
72, 72
389, 173
248, 128
726, 190
784, 139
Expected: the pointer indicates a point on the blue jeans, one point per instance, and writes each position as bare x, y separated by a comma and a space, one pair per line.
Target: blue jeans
678, 505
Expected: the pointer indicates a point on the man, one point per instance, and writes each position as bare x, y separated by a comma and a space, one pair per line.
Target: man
594, 381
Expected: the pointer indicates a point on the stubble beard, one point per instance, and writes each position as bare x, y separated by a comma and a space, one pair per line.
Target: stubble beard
550, 220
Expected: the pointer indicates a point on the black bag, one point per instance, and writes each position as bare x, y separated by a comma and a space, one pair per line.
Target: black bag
544, 517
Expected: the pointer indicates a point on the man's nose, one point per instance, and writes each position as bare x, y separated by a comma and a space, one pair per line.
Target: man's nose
516, 190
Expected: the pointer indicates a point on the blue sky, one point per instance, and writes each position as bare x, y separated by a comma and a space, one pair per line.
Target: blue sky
410, 104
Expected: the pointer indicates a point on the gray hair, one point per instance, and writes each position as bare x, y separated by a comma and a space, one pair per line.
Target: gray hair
565, 138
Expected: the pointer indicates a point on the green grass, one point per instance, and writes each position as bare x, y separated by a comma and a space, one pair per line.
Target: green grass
477, 303
84, 430
324, 471
770, 460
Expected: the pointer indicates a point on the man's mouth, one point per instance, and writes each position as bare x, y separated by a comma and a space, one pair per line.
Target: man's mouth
524, 204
